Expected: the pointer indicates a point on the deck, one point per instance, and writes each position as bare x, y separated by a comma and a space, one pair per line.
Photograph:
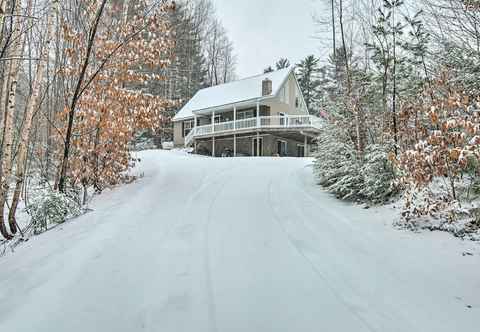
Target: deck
283, 123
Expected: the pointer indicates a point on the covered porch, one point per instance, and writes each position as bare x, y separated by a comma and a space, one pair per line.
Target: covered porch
266, 143
244, 120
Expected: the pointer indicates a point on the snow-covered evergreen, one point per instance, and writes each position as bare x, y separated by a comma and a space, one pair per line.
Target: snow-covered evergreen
51, 207
378, 174
341, 171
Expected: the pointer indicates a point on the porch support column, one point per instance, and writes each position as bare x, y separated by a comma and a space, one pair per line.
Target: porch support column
234, 130
258, 144
258, 126
258, 114
195, 120
213, 146
213, 121
213, 134
305, 147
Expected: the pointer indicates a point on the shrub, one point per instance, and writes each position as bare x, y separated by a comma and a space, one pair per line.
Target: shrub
336, 164
51, 207
342, 172
378, 173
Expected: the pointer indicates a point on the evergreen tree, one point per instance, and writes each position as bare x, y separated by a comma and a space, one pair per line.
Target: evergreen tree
187, 73
308, 76
269, 69
282, 63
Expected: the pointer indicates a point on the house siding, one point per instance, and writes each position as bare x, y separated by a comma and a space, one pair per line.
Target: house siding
279, 105
178, 139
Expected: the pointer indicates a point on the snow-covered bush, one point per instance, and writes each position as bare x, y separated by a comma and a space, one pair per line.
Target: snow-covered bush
432, 208
332, 152
336, 164
52, 207
378, 173
342, 172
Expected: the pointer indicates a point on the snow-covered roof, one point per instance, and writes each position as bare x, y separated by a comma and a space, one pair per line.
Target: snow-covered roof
234, 92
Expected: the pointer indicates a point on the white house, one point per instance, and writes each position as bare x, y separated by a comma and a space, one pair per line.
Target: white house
264, 115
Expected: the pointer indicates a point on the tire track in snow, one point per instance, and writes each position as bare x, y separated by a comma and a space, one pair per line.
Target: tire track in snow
199, 188
314, 268
222, 179
379, 304
364, 239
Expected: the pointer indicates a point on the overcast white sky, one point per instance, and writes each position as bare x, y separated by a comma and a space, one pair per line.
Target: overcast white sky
265, 30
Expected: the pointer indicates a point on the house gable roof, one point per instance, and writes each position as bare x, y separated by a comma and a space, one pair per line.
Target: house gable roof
234, 92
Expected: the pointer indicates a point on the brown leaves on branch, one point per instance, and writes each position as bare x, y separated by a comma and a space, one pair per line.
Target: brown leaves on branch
446, 127
129, 53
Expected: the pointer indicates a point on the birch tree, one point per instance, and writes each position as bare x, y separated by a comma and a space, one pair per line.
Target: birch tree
32, 105
14, 54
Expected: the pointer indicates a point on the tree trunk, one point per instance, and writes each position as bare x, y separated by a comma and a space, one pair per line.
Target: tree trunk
334, 38
76, 97
3, 12
394, 97
32, 106
351, 103
7, 144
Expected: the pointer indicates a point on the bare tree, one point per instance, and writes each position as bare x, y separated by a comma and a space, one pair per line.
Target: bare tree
14, 55
31, 108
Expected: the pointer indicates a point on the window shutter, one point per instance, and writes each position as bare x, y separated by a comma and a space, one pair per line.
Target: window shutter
183, 129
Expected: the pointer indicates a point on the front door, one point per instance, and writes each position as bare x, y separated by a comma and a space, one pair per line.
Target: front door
282, 148
254, 147
300, 151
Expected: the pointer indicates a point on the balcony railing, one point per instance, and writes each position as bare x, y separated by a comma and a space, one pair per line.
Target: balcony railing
265, 122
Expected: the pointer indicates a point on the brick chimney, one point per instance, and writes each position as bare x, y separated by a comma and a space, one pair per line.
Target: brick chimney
266, 87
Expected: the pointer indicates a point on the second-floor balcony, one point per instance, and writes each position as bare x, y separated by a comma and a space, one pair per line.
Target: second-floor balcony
286, 122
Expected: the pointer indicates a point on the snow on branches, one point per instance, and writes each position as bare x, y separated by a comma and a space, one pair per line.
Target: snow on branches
440, 166
131, 47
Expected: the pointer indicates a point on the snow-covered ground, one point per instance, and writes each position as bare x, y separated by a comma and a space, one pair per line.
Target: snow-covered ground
222, 245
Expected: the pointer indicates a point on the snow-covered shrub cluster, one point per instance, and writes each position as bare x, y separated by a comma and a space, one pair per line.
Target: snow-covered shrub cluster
341, 171
50, 207
433, 209
440, 165
378, 174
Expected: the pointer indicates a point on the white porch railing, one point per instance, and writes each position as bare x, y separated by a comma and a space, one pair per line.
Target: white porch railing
224, 126
189, 137
246, 123
266, 122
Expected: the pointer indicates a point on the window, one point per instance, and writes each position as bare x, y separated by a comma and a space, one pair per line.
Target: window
297, 102
282, 150
245, 115
187, 127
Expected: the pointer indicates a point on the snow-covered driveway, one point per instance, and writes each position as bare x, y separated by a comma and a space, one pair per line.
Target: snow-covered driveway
245, 244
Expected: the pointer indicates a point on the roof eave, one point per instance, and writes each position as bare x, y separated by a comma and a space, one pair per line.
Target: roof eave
208, 110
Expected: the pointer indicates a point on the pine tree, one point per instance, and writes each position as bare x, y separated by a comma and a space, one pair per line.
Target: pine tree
282, 63
269, 69
308, 76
